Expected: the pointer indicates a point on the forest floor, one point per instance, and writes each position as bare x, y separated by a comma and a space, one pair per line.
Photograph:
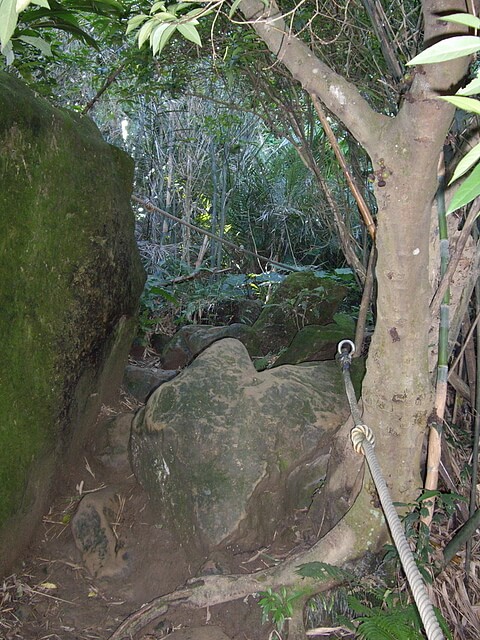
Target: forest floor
51, 595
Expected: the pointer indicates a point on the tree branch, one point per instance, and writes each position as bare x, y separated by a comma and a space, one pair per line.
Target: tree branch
341, 97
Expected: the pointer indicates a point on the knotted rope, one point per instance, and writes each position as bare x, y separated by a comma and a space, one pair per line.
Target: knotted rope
363, 442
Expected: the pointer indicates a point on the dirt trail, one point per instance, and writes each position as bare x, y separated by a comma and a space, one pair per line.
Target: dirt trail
52, 595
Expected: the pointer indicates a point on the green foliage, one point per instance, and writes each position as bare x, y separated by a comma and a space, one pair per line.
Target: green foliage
164, 20
324, 571
35, 25
419, 533
450, 49
277, 606
391, 623
368, 607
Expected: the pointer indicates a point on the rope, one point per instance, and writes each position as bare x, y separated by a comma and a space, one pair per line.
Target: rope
363, 441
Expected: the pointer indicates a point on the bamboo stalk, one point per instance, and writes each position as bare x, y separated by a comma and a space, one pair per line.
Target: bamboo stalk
436, 427
151, 207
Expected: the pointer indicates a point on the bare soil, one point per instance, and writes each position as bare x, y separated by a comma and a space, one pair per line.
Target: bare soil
51, 595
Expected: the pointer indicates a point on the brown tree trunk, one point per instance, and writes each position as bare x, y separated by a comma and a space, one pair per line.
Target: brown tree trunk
397, 390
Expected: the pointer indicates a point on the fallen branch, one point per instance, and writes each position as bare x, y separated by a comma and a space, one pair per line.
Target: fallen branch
151, 207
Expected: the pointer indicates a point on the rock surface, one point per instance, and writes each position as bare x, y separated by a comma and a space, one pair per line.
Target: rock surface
191, 340
318, 342
140, 381
300, 300
94, 536
226, 452
71, 279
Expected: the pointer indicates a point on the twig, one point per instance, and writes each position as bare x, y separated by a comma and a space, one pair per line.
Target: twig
109, 81
151, 207
365, 303
362, 205
453, 264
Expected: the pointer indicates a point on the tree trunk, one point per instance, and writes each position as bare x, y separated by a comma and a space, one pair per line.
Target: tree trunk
397, 390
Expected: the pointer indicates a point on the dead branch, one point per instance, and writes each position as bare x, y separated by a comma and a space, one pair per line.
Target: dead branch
151, 207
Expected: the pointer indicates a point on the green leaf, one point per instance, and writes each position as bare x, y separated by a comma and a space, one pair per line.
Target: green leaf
21, 5
119, 8
8, 20
471, 89
7, 51
157, 6
463, 18
428, 494
322, 571
160, 291
42, 3
233, 8
135, 22
165, 16
466, 163
145, 32
39, 43
189, 31
467, 192
448, 49
160, 36
467, 104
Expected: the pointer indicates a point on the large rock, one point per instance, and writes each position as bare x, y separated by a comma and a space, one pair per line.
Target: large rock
191, 340
225, 452
71, 279
140, 381
302, 299
318, 342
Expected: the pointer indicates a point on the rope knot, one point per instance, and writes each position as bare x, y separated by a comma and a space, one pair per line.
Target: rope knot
359, 434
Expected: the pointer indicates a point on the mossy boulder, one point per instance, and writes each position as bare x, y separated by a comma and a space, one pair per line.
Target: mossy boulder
301, 300
226, 453
71, 279
191, 340
318, 342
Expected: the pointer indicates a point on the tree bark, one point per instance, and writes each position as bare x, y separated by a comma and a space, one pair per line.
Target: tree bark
397, 389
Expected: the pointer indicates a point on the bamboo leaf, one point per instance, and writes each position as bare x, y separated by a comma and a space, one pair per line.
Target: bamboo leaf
7, 51
448, 49
21, 5
467, 104
233, 8
467, 192
189, 31
471, 89
466, 163
463, 18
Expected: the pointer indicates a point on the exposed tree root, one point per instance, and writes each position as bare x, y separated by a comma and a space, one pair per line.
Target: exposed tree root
337, 547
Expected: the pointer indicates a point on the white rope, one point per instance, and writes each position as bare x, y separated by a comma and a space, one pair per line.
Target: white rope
363, 442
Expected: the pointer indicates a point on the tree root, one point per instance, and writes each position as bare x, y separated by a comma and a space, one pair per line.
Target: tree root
337, 547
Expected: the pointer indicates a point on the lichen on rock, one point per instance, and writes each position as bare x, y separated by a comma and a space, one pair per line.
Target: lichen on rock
224, 452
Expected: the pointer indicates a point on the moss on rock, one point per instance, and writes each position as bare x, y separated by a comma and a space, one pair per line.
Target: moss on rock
301, 300
70, 273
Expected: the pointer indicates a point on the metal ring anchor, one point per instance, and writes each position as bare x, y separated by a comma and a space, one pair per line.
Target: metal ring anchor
346, 343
